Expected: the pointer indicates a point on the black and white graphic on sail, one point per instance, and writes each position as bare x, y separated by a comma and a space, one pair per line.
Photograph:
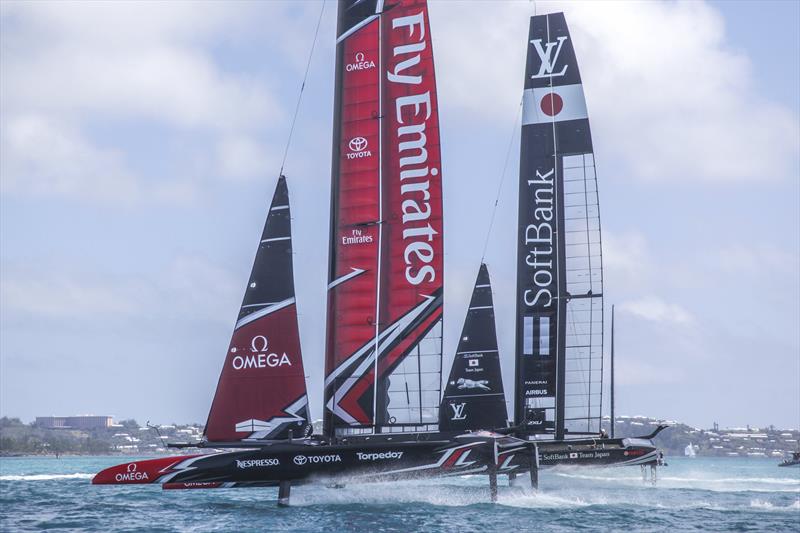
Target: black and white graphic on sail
559, 321
473, 396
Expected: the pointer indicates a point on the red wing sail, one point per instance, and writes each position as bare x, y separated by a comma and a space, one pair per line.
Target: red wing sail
355, 216
261, 392
386, 275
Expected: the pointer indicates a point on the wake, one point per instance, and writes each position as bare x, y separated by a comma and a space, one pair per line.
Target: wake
698, 482
761, 504
45, 477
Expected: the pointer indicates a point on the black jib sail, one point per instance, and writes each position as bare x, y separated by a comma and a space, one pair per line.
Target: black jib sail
559, 329
474, 398
261, 392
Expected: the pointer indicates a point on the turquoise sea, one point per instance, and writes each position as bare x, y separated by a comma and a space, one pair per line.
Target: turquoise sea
702, 494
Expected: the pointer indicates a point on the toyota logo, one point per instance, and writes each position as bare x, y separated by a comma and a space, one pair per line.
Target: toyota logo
300, 460
358, 144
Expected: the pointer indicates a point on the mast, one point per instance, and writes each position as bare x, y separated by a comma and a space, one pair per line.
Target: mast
613, 419
355, 214
558, 380
384, 330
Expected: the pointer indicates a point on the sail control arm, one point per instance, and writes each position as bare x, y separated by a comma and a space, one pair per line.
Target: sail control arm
659, 429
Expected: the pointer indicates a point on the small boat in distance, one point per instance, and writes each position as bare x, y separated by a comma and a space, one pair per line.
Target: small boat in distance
794, 461
689, 451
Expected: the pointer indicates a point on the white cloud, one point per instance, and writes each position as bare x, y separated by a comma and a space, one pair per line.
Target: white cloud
44, 156
68, 66
658, 372
191, 287
657, 310
669, 108
142, 60
753, 258
240, 157
65, 297
196, 286
626, 257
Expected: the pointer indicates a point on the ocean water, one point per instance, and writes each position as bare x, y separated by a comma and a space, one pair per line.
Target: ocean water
701, 494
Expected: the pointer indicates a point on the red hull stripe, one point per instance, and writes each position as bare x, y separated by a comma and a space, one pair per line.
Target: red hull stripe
138, 472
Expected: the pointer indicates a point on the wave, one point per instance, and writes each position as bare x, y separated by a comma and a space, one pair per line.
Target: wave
761, 504
468, 491
45, 477
723, 484
452, 495
775, 480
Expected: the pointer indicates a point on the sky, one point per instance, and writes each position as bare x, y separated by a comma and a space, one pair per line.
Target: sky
140, 144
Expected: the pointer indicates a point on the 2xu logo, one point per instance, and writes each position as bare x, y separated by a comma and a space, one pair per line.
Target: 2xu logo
132, 474
260, 358
301, 460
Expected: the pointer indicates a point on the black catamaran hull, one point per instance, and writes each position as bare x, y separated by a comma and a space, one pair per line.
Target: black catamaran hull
595, 451
605, 452
308, 461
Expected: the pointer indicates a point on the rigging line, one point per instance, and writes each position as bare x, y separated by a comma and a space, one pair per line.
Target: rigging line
302, 88
502, 179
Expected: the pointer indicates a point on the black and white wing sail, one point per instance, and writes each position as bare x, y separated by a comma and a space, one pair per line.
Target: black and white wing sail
559, 322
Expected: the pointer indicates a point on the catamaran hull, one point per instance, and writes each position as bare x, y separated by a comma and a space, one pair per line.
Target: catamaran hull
309, 462
600, 457
303, 463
